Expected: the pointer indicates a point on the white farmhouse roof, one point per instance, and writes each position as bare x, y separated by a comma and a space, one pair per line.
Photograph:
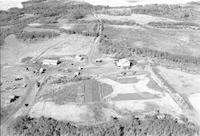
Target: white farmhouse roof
123, 63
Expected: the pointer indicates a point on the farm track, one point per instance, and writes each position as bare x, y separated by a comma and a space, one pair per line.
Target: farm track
53, 46
94, 53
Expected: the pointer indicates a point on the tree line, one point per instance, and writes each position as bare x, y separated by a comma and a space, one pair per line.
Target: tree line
66, 79
164, 10
36, 35
175, 25
15, 28
134, 126
84, 33
41, 9
122, 50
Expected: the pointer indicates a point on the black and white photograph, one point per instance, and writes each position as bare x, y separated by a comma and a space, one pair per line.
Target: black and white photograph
100, 67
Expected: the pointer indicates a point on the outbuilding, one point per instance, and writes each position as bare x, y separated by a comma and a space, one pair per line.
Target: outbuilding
79, 57
98, 60
50, 62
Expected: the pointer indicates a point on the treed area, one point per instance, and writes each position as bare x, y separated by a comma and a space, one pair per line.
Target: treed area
14, 19
170, 11
36, 35
163, 10
176, 25
122, 50
135, 126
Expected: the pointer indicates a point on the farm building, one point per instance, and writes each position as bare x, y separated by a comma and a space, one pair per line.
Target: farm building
98, 60
50, 62
124, 63
79, 57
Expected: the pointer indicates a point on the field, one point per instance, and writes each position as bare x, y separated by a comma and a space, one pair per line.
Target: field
183, 82
69, 112
140, 95
62, 45
138, 18
194, 100
9, 85
182, 42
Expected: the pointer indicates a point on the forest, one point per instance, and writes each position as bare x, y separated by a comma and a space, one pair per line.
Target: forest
14, 19
155, 125
109, 46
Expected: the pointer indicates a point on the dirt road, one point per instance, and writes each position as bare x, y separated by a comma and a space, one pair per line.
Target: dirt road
94, 51
28, 98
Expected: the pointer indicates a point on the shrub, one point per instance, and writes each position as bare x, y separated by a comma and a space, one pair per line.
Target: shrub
77, 14
36, 35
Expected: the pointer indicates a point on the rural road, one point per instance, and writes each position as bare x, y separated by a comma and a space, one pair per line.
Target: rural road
28, 98
94, 52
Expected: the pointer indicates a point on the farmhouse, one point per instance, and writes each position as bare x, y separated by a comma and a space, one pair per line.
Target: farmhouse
124, 63
50, 62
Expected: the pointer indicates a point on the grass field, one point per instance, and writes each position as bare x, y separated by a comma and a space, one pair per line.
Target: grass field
182, 82
182, 42
164, 104
69, 112
134, 96
138, 18
92, 90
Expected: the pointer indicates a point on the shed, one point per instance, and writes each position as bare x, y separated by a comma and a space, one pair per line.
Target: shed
50, 62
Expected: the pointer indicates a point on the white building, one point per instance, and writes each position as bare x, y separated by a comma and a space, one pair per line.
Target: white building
124, 63
50, 62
